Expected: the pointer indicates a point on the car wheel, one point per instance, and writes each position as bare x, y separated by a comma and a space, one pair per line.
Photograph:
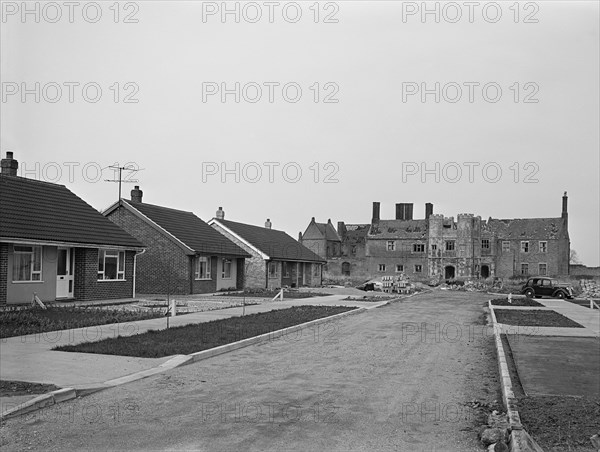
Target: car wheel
529, 293
560, 295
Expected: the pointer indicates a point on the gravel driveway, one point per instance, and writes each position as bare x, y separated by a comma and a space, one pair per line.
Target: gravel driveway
394, 378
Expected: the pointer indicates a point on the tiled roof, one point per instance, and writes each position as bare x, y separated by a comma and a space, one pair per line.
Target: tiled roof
399, 229
356, 232
189, 229
41, 211
328, 231
526, 228
275, 244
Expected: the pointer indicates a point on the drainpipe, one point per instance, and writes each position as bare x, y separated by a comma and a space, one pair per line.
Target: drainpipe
135, 267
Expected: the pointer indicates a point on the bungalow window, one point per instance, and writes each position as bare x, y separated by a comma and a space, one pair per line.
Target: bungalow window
542, 269
485, 244
525, 247
418, 268
226, 269
391, 245
111, 265
418, 248
27, 263
399, 268
525, 269
286, 269
543, 247
450, 245
203, 267
505, 246
273, 270
381, 267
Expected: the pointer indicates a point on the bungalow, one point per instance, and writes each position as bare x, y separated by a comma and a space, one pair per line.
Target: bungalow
277, 259
184, 255
55, 245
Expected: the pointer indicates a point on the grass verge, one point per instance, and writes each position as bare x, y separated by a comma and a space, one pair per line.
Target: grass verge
516, 302
203, 336
535, 318
37, 320
264, 293
11, 388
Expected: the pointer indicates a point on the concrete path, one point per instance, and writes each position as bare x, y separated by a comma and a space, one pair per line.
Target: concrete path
31, 358
557, 365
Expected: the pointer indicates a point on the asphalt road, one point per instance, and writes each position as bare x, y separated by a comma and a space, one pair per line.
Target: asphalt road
394, 378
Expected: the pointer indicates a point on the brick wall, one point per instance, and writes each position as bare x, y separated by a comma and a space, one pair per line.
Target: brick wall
3, 271
87, 287
164, 267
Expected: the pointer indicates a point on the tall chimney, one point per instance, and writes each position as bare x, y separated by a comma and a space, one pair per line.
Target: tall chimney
268, 224
404, 211
136, 194
9, 165
220, 214
341, 228
376, 210
565, 213
428, 210
300, 236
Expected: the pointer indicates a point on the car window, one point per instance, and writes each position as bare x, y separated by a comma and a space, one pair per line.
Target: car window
555, 282
546, 282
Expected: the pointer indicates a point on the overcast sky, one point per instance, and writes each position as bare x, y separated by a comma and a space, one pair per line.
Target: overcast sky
335, 95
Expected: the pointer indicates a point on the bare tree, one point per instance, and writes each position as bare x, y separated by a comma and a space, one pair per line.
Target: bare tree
574, 258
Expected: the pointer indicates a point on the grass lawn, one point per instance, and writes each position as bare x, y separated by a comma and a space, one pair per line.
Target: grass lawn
516, 302
561, 423
264, 293
10, 388
37, 320
535, 318
203, 336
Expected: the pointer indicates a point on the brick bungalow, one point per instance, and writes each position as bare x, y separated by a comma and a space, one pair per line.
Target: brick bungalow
277, 259
54, 244
184, 255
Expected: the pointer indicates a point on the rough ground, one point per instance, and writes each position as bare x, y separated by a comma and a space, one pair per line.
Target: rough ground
400, 377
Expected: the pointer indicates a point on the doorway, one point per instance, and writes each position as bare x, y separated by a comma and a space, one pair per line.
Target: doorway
485, 271
65, 261
449, 272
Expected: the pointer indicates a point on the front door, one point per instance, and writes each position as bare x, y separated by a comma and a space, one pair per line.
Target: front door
64, 273
449, 272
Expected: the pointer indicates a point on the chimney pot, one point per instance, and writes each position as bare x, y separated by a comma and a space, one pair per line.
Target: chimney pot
268, 224
9, 165
136, 194
220, 214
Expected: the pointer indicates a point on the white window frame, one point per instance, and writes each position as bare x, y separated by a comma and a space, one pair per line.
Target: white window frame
391, 245
524, 246
543, 248
198, 273
381, 267
112, 253
36, 257
418, 248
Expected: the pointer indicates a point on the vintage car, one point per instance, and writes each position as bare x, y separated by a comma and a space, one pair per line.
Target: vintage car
539, 286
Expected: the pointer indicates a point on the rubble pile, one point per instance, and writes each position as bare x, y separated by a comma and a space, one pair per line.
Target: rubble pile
467, 286
589, 289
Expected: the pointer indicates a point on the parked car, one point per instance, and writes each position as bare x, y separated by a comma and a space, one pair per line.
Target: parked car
371, 285
550, 287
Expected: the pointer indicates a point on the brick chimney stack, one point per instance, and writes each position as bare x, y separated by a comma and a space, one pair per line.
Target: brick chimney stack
428, 210
9, 165
376, 212
220, 214
136, 194
565, 213
268, 224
